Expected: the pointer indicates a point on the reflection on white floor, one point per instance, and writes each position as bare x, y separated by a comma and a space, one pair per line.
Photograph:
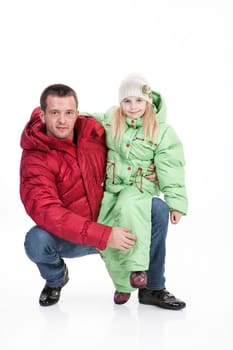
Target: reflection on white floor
86, 317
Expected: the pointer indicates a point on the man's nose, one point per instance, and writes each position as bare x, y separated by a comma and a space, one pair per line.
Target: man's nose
62, 118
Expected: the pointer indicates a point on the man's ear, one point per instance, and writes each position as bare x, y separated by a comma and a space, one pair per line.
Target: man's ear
42, 116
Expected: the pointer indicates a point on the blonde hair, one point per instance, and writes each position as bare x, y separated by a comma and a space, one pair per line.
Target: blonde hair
150, 123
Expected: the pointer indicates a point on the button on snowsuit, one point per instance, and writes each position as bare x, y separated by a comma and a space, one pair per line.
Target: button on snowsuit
128, 194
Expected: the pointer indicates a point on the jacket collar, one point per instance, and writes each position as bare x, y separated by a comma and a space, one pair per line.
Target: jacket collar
134, 123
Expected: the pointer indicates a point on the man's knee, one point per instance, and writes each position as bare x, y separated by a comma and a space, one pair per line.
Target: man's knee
36, 241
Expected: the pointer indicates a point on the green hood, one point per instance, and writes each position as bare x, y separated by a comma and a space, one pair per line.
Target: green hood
160, 107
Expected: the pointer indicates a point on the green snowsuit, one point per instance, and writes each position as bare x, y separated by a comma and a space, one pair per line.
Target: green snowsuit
128, 194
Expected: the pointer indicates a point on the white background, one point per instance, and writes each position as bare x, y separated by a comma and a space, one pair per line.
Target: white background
185, 49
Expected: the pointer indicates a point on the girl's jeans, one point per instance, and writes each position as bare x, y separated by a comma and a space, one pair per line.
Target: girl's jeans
48, 251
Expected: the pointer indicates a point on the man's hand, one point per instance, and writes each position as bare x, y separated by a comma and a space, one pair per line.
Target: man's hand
120, 238
153, 177
175, 216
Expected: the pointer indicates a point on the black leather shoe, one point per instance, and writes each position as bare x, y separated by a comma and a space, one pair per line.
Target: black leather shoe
50, 295
161, 298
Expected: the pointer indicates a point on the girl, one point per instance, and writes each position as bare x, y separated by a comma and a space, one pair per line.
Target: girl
137, 137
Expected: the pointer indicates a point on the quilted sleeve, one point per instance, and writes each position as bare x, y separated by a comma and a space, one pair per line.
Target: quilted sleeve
169, 160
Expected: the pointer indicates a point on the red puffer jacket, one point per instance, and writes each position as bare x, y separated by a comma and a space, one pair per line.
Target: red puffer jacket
61, 184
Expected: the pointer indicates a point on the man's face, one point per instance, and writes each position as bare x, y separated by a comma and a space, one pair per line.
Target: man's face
60, 117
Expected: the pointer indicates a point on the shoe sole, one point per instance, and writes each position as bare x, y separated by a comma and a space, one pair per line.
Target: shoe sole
137, 286
164, 306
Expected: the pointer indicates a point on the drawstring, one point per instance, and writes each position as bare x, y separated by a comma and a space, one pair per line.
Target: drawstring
111, 165
139, 171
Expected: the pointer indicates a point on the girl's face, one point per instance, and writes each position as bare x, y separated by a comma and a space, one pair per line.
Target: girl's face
134, 107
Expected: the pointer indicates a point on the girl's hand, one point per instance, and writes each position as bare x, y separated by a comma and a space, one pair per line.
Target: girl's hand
175, 216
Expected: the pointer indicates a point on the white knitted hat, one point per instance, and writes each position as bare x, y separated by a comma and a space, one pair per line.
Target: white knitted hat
135, 84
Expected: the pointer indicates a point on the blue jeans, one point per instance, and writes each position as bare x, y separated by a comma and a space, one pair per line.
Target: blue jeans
48, 251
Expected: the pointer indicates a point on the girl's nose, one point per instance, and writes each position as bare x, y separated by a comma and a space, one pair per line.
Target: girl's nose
133, 105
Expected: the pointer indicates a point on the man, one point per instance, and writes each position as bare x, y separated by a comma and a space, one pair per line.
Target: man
61, 186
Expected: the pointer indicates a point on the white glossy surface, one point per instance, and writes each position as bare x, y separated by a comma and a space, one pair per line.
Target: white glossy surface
185, 49
87, 318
